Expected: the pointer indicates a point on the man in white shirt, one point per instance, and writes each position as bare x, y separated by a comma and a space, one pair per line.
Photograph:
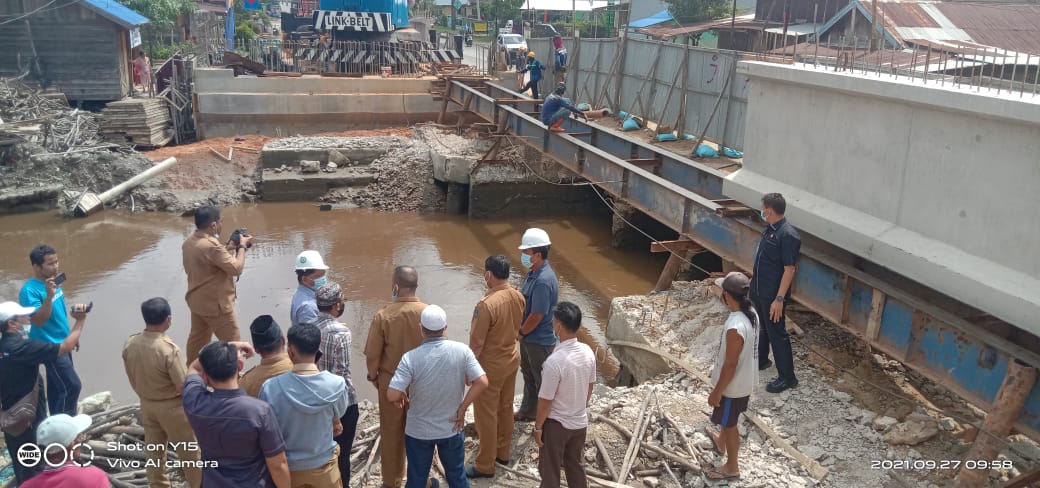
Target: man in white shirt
568, 376
735, 373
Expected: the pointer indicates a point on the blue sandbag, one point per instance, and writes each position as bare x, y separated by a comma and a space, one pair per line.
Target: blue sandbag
584, 106
706, 151
688, 137
666, 137
732, 153
623, 114
630, 124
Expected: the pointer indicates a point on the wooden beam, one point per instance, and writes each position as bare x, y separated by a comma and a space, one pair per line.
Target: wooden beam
645, 161
877, 308
518, 100
680, 246
579, 134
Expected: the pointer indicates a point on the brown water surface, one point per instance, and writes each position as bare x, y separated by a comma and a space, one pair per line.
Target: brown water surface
117, 260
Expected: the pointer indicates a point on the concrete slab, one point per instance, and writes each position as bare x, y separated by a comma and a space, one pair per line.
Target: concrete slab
295, 186
498, 191
641, 365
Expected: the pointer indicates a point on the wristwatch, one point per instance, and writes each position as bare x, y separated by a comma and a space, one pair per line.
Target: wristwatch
780, 298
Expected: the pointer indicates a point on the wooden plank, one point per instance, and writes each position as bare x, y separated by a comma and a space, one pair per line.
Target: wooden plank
877, 308
518, 100
679, 246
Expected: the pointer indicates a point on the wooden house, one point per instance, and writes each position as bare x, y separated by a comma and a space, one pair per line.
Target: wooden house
81, 47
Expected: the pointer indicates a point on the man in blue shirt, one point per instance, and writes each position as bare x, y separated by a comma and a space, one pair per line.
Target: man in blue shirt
535, 68
556, 109
308, 404
541, 291
310, 275
50, 323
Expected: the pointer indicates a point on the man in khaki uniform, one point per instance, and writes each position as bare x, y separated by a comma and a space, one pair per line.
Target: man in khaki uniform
496, 322
270, 345
156, 371
211, 268
394, 331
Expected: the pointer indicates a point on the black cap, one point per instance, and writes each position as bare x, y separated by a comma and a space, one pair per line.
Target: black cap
265, 332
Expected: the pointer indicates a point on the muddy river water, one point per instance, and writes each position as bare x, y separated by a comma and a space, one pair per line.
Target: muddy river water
117, 260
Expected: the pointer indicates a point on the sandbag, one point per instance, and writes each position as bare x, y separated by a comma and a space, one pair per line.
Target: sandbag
706, 151
630, 124
688, 137
623, 114
584, 106
666, 137
732, 153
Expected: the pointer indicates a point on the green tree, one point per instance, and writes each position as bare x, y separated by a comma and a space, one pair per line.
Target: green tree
687, 11
498, 10
162, 22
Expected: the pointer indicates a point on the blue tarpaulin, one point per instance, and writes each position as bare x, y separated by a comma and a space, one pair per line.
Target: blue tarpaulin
658, 18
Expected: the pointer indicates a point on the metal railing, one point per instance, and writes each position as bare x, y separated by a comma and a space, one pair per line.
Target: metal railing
346, 57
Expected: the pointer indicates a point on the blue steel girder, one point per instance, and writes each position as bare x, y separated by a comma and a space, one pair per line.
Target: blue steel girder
681, 194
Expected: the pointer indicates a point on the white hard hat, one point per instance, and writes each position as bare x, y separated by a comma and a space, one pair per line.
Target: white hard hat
310, 260
534, 237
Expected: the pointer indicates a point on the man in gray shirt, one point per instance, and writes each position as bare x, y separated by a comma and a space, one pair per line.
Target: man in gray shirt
431, 380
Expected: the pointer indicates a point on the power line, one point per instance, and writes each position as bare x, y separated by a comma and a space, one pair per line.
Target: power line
39, 10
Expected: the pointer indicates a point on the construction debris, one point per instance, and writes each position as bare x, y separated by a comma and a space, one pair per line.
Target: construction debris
26, 115
138, 121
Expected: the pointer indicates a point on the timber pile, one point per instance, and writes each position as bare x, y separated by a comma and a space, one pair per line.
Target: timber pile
28, 114
138, 121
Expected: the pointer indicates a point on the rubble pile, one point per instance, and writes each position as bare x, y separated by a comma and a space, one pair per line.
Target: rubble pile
26, 115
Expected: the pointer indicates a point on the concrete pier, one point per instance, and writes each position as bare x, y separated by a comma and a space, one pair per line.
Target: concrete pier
227, 105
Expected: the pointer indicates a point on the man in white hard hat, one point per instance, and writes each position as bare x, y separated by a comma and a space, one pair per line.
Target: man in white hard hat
310, 275
60, 437
541, 291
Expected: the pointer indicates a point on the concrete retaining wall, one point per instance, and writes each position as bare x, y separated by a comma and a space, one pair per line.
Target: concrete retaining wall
227, 105
938, 184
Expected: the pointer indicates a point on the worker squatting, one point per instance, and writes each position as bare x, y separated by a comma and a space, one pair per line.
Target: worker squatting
291, 420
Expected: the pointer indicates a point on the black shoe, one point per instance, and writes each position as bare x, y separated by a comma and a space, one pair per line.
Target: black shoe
435, 483
503, 462
778, 385
471, 472
764, 366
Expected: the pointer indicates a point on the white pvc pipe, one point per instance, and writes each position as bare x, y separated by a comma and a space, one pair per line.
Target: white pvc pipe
115, 191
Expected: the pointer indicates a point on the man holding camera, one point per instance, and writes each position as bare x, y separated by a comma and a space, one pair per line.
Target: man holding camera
212, 268
50, 323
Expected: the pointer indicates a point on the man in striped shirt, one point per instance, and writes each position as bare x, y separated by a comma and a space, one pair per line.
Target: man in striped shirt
334, 357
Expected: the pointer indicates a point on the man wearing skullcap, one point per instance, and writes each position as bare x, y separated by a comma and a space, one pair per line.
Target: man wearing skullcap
270, 344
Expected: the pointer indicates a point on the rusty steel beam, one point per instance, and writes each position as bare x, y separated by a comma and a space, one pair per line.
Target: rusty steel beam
888, 311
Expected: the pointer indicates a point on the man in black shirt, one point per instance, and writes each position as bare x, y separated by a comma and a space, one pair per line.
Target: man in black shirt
20, 360
771, 289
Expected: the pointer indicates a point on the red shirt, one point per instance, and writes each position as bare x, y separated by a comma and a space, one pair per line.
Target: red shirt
69, 476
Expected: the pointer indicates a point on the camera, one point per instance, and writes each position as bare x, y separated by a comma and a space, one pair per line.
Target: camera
236, 236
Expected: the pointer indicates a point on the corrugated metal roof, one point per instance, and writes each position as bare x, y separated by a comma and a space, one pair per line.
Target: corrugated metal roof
658, 18
1007, 26
116, 12
666, 31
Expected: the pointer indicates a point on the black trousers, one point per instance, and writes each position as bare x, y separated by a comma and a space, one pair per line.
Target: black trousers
774, 335
533, 86
346, 442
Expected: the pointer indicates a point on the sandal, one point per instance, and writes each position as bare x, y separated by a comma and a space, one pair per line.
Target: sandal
711, 437
717, 475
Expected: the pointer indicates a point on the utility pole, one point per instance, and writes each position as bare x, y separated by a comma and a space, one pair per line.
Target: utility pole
873, 24
574, 18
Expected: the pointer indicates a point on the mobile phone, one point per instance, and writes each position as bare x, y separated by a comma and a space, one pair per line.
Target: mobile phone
90, 306
58, 280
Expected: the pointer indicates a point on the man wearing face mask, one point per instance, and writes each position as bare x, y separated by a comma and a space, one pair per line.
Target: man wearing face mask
20, 360
771, 289
394, 331
541, 291
335, 358
310, 275
492, 338
211, 268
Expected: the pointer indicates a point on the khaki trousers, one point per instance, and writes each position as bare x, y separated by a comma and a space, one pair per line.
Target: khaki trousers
163, 422
493, 412
391, 445
225, 327
326, 476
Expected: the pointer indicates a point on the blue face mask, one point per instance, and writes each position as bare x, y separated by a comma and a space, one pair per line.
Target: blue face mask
320, 282
525, 259
393, 295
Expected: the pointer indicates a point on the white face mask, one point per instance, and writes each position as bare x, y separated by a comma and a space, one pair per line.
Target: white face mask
26, 328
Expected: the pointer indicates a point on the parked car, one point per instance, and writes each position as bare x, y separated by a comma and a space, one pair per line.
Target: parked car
543, 30
511, 43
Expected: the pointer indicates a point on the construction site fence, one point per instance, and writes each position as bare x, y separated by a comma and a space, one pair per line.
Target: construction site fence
648, 78
346, 57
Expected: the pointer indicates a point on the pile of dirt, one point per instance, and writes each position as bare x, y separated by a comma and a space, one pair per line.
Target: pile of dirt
404, 182
833, 416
